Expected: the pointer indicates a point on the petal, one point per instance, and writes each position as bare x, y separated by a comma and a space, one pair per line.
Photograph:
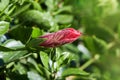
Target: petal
61, 37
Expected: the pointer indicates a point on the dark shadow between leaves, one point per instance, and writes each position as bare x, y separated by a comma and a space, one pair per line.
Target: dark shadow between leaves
2, 74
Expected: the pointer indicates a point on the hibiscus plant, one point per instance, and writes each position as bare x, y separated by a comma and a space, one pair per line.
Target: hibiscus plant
29, 49
59, 40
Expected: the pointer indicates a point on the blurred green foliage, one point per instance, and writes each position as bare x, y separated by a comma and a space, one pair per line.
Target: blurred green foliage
94, 56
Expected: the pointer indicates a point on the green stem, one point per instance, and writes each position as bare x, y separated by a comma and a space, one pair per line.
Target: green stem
84, 66
52, 56
20, 49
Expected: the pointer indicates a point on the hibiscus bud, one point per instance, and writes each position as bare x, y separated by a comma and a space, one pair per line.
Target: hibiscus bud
61, 37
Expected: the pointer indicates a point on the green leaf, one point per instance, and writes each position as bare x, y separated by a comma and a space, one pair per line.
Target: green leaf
34, 76
19, 10
63, 59
13, 44
3, 4
34, 43
74, 71
34, 63
35, 17
50, 4
12, 55
2, 48
63, 9
89, 43
38, 67
95, 45
71, 48
21, 33
36, 32
37, 6
64, 19
21, 2
20, 68
45, 59
4, 27
100, 45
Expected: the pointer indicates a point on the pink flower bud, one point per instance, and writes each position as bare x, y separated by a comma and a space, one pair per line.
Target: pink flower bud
61, 37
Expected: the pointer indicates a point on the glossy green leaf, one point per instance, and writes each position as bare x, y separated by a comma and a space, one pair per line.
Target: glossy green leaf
21, 68
43, 20
34, 63
2, 48
37, 6
74, 71
13, 44
63, 18
36, 32
63, 59
2, 39
34, 76
12, 55
3, 4
45, 59
4, 27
